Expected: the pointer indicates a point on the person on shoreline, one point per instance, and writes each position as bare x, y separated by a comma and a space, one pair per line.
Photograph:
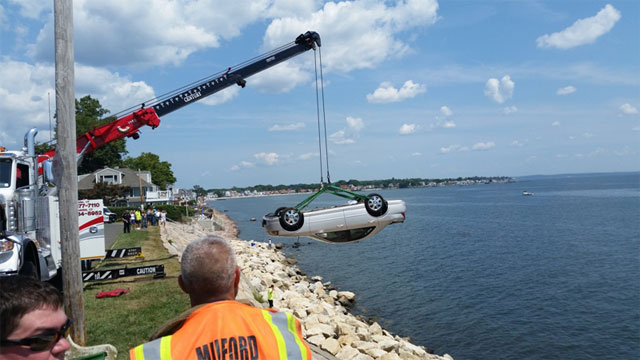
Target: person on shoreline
33, 324
163, 217
126, 220
217, 326
270, 296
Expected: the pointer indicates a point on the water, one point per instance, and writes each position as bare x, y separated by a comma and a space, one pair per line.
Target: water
483, 272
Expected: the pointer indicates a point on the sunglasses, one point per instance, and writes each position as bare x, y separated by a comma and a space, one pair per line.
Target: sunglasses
41, 342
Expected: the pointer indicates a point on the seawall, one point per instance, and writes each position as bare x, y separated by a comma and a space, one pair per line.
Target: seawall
323, 312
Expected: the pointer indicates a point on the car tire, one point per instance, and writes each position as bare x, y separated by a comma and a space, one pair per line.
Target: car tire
279, 210
376, 205
291, 219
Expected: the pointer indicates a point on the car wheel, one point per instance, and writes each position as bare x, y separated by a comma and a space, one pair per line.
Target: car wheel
279, 210
376, 205
291, 219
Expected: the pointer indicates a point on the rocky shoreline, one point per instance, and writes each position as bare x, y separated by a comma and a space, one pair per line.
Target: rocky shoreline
327, 324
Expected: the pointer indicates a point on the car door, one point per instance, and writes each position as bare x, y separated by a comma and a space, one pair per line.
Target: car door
325, 220
356, 216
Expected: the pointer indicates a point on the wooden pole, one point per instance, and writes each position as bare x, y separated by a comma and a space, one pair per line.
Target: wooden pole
65, 168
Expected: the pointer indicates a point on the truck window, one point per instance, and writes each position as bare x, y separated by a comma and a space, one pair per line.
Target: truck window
5, 173
22, 175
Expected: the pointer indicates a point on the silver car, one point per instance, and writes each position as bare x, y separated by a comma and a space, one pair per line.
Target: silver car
338, 224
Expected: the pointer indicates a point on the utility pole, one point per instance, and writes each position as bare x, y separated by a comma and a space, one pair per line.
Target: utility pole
65, 168
141, 196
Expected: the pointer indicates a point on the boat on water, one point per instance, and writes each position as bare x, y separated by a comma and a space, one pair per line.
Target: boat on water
526, 193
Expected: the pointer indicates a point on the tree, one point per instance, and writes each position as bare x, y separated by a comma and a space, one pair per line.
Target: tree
89, 114
109, 193
199, 190
161, 173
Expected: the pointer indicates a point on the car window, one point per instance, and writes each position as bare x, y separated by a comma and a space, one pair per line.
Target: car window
346, 235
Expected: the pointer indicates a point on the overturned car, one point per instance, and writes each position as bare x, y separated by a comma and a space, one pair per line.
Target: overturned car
347, 223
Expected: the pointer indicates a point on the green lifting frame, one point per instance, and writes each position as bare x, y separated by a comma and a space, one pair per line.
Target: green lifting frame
332, 189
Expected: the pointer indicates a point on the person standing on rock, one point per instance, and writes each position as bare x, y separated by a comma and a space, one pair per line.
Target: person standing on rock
217, 326
270, 296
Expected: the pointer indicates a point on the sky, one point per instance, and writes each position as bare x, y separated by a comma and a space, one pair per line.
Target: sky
413, 88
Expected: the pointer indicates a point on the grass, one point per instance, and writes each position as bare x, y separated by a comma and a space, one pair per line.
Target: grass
129, 320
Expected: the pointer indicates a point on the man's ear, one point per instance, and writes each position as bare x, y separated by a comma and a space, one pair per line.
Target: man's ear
236, 281
181, 283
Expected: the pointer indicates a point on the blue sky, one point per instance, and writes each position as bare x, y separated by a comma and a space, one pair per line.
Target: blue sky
412, 88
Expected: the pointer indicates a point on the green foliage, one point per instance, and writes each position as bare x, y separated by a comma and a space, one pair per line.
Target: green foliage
109, 193
161, 173
199, 190
258, 296
89, 114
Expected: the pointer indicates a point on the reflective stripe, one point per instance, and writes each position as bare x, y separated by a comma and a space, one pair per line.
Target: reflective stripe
288, 341
297, 336
156, 349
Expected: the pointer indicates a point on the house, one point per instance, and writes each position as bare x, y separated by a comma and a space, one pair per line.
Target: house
137, 181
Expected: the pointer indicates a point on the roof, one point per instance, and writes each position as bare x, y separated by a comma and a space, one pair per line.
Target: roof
130, 178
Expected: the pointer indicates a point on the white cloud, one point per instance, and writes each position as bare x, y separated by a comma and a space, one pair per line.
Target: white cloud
510, 110
583, 31
637, 128
416, 154
517, 143
242, 165
281, 78
268, 159
349, 134
386, 93
373, 26
587, 135
483, 145
356, 124
555, 123
628, 109
407, 129
288, 127
448, 149
307, 156
24, 89
566, 90
499, 90
447, 124
222, 97
446, 111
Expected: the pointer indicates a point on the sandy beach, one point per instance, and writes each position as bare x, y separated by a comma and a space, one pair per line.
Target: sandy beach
329, 328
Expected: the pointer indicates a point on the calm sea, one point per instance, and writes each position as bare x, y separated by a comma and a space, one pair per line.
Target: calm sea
482, 272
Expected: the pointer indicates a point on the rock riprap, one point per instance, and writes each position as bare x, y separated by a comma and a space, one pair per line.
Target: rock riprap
322, 311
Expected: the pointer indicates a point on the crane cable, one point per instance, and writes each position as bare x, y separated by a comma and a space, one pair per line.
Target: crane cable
324, 117
315, 63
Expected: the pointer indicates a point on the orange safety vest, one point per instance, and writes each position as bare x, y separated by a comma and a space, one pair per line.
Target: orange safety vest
233, 331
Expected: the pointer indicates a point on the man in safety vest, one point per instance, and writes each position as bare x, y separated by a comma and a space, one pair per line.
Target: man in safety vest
219, 327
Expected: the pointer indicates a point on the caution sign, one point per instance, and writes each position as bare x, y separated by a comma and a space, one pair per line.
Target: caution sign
124, 252
99, 275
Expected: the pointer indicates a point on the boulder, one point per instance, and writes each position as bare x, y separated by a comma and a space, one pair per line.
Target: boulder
375, 329
390, 356
375, 352
320, 329
347, 340
315, 340
347, 352
347, 295
331, 345
333, 294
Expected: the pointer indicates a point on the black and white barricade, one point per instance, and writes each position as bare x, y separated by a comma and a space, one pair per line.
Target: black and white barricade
100, 275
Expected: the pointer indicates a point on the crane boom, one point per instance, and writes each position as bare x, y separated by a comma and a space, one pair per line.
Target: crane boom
129, 125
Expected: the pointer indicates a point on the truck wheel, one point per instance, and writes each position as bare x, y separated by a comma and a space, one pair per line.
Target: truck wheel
376, 205
291, 219
29, 269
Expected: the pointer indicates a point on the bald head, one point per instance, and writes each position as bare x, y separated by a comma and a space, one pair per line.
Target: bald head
208, 270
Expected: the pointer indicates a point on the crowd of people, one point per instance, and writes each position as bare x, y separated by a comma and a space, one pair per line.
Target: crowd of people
216, 326
139, 220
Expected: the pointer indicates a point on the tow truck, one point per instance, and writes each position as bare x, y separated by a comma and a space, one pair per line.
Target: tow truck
29, 217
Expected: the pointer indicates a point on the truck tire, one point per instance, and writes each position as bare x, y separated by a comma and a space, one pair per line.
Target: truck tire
29, 269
